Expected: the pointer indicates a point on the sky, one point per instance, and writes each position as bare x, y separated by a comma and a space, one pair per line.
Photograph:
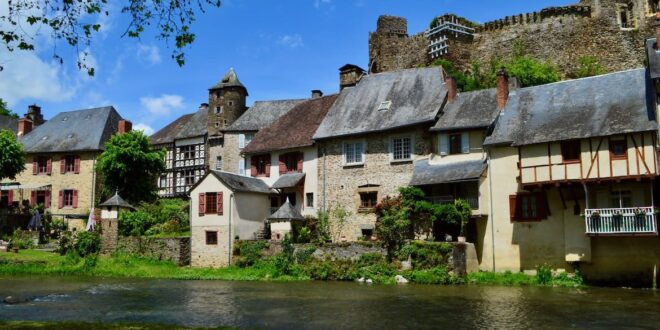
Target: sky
279, 49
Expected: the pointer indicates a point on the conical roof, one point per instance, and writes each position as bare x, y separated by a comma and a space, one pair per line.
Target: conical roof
287, 212
230, 79
116, 200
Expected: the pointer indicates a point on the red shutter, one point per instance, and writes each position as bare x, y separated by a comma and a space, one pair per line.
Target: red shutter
49, 165
202, 204
47, 199
76, 167
282, 164
62, 164
253, 166
301, 157
513, 207
10, 200
35, 166
61, 201
75, 199
33, 198
267, 165
219, 203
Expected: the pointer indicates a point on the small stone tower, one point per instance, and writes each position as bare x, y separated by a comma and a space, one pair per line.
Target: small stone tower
226, 103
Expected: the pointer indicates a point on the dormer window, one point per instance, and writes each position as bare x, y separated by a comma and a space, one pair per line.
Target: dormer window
384, 106
218, 110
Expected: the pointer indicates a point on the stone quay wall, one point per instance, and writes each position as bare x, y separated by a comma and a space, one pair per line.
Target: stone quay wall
175, 249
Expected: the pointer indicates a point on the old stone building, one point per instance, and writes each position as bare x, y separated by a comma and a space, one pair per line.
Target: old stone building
612, 31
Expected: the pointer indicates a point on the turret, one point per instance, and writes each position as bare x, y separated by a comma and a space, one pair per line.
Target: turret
226, 103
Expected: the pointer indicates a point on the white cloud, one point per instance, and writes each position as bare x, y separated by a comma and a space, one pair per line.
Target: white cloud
146, 129
318, 3
148, 53
291, 40
162, 105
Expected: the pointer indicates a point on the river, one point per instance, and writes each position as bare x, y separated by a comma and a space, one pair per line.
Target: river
326, 305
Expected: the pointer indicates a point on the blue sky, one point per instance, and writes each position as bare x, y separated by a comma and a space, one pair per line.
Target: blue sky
280, 49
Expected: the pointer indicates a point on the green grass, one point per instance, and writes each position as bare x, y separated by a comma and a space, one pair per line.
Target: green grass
9, 325
521, 279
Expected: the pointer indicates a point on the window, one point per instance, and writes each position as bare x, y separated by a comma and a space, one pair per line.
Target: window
455, 144
218, 163
42, 197
570, 151
625, 16
402, 148
248, 138
244, 139
189, 177
654, 6
291, 162
367, 234
163, 181
241, 166
621, 198
291, 197
528, 206
211, 238
211, 203
384, 106
619, 149
260, 165
368, 200
41, 165
218, 110
69, 164
68, 198
230, 103
353, 153
310, 199
188, 152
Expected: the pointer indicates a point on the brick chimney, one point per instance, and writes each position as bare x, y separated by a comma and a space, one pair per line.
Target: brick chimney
316, 93
24, 126
657, 30
502, 88
34, 114
452, 91
125, 126
350, 75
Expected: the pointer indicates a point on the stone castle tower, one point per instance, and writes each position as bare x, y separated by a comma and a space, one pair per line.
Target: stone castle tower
226, 103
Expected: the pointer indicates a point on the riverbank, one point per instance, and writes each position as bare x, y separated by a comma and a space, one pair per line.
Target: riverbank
20, 325
34, 262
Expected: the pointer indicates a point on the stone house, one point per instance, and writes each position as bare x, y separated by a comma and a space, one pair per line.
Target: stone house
284, 155
360, 163
572, 179
61, 157
225, 207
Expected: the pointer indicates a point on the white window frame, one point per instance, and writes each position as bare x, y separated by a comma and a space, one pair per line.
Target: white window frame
443, 139
241, 166
343, 152
412, 148
241, 141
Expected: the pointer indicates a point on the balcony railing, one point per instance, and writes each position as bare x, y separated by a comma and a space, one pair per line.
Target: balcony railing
473, 201
621, 221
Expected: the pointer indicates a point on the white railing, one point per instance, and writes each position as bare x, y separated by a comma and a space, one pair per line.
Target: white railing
451, 27
473, 201
628, 220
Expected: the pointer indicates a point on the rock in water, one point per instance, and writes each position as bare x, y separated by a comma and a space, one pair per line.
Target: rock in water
369, 281
11, 300
400, 279
361, 279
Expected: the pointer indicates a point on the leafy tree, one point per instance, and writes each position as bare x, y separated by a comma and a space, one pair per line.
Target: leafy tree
12, 157
531, 72
4, 111
75, 22
588, 66
131, 166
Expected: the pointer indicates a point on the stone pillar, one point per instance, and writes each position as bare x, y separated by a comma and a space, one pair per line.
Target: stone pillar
109, 229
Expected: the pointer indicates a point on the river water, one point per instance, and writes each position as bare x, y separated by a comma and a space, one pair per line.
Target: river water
326, 305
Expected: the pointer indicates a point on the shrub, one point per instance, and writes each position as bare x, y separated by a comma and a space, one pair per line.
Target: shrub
65, 243
305, 255
249, 252
323, 226
284, 261
426, 255
436, 275
543, 275
304, 235
588, 66
87, 243
160, 217
21, 239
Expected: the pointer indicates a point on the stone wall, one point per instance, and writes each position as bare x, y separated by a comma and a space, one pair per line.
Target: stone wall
231, 153
109, 235
176, 249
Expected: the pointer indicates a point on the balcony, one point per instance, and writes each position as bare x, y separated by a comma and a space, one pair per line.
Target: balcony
473, 201
621, 221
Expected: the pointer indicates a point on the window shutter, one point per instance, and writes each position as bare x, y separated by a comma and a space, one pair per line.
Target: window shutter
62, 164
35, 166
301, 158
10, 200
444, 145
76, 167
253, 166
219, 203
241, 141
33, 198
61, 200
75, 199
465, 142
49, 165
202, 205
282, 164
47, 199
267, 160
513, 207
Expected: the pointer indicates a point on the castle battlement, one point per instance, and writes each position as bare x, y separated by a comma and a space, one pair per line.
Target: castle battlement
536, 17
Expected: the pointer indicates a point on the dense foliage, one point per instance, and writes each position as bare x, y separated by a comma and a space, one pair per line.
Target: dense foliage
87, 243
131, 166
12, 157
588, 66
4, 111
164, 216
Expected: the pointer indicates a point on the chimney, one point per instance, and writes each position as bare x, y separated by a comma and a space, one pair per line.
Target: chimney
450, 85
204, 106
502, 88
316, 93
24, 126
350, 75
125, 126
657, 30
34, 114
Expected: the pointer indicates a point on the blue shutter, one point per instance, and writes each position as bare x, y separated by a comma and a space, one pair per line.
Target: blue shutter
444, 145
465, 142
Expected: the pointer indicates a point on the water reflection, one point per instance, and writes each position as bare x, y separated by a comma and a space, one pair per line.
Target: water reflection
318, 305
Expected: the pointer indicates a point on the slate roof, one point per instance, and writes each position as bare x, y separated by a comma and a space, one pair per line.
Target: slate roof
288, 180
196, 125
609, 104
81, 130
230, 79
476, 109
425, 173
169, 132
653, 55
294, 129
416, 95
9, 123
116, 200
237, 183
262, 114
286, 212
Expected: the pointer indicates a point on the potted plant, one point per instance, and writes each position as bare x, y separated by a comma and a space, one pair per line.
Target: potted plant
594, 221
617, 221
640, 218
464, 212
